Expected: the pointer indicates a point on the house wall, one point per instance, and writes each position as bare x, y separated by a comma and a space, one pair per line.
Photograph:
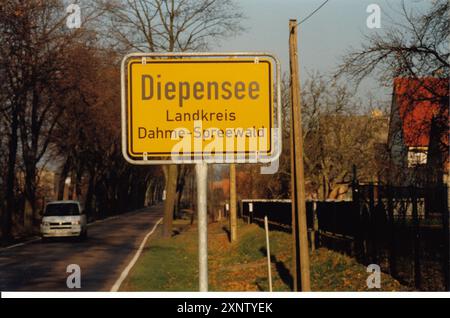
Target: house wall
398, 152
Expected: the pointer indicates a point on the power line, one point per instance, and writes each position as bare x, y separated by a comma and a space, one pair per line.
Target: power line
312, 13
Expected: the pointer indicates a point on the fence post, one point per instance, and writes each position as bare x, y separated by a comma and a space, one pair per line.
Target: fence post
269, 267
313, 232
446, 236
358, 230
373, 253
379, 217
416, 239
334, 224
392, 253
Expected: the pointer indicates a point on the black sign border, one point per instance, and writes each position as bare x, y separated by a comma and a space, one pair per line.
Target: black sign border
140, 156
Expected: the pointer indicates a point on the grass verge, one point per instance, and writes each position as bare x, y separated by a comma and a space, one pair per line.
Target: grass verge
171, 264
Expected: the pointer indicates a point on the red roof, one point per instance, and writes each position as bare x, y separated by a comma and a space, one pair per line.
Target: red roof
418, 102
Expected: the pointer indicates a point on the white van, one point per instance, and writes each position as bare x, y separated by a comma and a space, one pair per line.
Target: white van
62, 219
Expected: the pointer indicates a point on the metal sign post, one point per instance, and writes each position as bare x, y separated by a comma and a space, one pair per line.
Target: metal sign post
201, 171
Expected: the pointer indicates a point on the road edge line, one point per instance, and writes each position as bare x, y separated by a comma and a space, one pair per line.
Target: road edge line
34, 239
133, 261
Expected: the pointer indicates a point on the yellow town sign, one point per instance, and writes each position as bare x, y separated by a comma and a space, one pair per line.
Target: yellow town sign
195, 107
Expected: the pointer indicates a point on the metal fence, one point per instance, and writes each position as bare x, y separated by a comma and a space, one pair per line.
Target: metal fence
405, 230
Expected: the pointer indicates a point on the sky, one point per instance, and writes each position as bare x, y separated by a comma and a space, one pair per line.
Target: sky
323, 39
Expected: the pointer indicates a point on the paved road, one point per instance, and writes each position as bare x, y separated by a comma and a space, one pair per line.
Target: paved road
111, 244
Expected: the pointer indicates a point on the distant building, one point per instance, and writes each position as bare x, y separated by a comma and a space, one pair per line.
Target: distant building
418, 131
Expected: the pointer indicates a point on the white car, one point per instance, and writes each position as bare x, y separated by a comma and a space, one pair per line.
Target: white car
63, 219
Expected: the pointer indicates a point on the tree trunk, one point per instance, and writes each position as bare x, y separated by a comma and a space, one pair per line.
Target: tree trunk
10, 179
181, 181
148, 201
30, 131
28, 217
78, 180
62, 178
155, 197
89, 196
30, 195
171, 188
72, 185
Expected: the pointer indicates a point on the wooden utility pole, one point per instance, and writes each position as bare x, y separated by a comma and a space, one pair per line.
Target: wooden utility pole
233, 203
299, 225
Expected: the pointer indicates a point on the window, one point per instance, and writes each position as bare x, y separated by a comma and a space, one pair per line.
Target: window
62, 209
417, 156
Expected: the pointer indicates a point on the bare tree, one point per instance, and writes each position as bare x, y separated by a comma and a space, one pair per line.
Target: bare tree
171, 25
33, 66
168, 26
416, 47
339, 132
18, 27
86, 138
35, 41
